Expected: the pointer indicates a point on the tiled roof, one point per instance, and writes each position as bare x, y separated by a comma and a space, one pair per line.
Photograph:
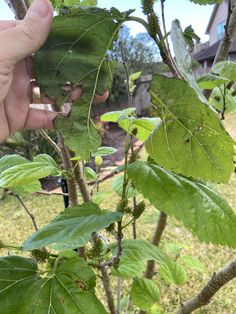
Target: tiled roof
210, 52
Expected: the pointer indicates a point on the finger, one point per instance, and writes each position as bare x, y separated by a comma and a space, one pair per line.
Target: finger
39, 119
8, 24
29, 35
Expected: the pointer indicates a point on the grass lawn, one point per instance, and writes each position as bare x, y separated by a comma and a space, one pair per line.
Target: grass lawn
15, 226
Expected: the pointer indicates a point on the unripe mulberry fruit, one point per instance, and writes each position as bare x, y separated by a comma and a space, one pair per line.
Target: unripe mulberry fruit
139, 209
98, 160
153, 24
147, 6
40, 255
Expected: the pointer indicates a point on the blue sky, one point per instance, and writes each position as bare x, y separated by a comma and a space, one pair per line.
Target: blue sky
187, 12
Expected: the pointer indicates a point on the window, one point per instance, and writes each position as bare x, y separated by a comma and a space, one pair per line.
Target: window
220, 30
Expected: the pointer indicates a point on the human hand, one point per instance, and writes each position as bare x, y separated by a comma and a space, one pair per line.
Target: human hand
18, 40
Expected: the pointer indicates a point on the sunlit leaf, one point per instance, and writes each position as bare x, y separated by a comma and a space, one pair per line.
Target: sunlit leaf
191, 139
201, 209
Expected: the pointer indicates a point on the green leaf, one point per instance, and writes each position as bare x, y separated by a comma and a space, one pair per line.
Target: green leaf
72, 228
144, 293
207, 1
117, 186
191, 139
104, 151
201, 209
173, 273
226, 69
70, 289
9, 161
28, 172
46, 160
193, 263
141, 127
133, 77
114, 116
210, 81
183, 58
76, 52
135, 254
90, 173
190, 36
216, 99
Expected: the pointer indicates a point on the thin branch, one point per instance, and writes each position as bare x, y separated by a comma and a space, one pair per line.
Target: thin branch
217, 281
225, 44
18, 7
50, 141
79, 177
165, 35
107, 287
31, 216
52, 193
118, 293
160, 227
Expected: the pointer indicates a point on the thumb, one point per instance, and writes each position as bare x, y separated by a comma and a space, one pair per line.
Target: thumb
29, 35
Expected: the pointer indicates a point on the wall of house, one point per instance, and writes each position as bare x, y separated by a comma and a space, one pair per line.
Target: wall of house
220, 17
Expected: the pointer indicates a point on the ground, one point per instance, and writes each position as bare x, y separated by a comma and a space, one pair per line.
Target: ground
15, 227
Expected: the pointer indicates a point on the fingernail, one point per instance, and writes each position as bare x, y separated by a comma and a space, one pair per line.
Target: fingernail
40, 7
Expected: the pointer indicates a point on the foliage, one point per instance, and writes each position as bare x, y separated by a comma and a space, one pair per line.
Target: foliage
199, 207
69, 288
186, 145
203, 146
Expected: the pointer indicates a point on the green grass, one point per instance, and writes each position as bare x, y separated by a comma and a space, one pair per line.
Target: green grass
15, 226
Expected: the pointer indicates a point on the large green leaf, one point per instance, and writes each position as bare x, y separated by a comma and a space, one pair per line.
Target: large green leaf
183, 58
70, 289
201, 209
210, 81
9, 161
144, 293
135, 254
72, 228
226, 69
114, 116
191, 139
76, 52
28, 172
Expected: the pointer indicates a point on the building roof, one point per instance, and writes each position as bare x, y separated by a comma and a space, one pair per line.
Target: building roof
210, 52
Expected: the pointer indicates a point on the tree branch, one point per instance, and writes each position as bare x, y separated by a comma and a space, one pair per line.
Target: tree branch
107, 287
161, 224
18, 7
31, 216
230, 32
217, 281
50, 141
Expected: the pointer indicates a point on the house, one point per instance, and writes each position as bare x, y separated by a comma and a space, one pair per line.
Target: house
205, 53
